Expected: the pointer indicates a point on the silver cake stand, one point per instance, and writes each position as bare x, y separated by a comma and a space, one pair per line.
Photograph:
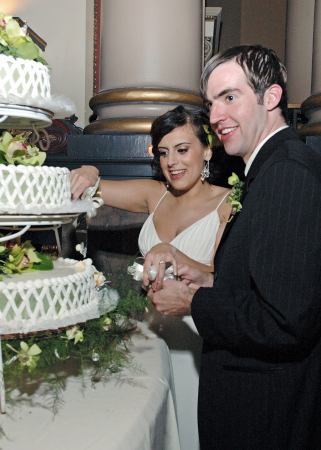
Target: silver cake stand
22, 117
47, 222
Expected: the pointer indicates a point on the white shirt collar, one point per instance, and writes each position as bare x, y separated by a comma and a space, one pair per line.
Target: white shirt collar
258, 148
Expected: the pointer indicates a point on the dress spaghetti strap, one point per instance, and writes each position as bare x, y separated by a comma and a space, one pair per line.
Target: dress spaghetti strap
220, 201
160, 200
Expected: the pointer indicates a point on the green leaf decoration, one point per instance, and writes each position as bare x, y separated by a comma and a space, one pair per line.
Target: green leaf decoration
18, 153
15, 42
16, 150
28, 50
45, 262
209, 135
22, 258
32, 256
13, 29
16, 251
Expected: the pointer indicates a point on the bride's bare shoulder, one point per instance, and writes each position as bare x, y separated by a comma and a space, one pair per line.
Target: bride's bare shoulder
155, 191
219, 191
220, 196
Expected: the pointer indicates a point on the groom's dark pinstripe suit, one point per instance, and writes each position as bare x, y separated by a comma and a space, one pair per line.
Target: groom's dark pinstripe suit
260, 382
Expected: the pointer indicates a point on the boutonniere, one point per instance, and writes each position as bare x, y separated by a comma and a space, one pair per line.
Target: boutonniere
235, 195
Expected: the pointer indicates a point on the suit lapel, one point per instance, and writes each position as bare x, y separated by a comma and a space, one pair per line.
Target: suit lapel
265, 152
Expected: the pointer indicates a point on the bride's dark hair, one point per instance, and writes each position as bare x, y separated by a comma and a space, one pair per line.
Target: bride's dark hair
221, 165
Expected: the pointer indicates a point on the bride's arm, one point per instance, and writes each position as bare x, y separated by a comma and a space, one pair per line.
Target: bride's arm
170, 254
130, 195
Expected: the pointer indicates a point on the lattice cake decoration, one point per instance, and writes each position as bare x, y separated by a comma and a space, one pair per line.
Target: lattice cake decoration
20, 77
48, 300
29, 186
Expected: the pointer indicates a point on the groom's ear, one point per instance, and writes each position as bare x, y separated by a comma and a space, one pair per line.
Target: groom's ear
272, 96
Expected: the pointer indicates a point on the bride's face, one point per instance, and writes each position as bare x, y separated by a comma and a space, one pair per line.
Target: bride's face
182, 157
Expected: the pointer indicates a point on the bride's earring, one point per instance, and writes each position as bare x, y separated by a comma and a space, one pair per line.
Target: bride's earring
205, 172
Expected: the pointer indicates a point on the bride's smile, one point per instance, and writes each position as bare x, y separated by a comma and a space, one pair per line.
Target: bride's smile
182, 157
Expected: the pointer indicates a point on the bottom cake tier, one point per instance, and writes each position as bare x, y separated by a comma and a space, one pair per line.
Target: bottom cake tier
48, 299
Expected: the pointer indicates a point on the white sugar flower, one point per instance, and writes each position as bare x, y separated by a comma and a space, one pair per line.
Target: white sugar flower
136, 270
99, 279
81, 249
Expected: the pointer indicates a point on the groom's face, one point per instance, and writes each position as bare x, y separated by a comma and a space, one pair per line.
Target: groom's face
235, 115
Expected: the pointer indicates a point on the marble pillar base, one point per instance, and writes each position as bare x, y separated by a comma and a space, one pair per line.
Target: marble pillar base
133, 110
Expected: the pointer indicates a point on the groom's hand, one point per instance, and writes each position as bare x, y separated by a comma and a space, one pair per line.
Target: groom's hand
174, 299
195, 278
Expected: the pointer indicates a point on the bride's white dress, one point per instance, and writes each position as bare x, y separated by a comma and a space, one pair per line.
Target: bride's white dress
185, 345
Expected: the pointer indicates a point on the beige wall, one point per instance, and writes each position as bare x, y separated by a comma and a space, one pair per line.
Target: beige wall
253, 22
67, 27
299, 49
264, 22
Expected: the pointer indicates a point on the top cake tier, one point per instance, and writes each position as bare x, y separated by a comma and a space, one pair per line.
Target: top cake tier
23, 78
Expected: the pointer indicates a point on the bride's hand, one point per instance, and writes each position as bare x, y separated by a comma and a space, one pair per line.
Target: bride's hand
81, 179
159, 253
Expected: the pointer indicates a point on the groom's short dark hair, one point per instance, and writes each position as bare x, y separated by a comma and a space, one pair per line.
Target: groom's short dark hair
261, 66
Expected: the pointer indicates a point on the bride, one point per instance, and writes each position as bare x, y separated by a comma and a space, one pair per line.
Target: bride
185, 223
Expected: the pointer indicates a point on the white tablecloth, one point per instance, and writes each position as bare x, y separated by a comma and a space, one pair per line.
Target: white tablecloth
127, 413
185, 346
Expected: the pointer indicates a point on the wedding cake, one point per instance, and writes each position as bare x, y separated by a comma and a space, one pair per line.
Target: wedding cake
48, 299
27, 187
67, 294
23, 79
41, 189
24, 75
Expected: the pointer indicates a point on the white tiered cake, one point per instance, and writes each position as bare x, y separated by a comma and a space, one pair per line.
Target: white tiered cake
48, 299
24, 79
26, 187
66, 295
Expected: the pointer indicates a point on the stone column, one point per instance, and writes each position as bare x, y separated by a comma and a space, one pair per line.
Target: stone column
151, 61
298, 52
312, 105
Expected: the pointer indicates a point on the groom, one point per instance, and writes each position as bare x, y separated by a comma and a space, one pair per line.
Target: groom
260, 312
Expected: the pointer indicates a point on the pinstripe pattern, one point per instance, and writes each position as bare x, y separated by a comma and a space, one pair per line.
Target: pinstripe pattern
260, 384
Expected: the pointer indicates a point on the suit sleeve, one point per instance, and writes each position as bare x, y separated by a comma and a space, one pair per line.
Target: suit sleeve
267, 295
